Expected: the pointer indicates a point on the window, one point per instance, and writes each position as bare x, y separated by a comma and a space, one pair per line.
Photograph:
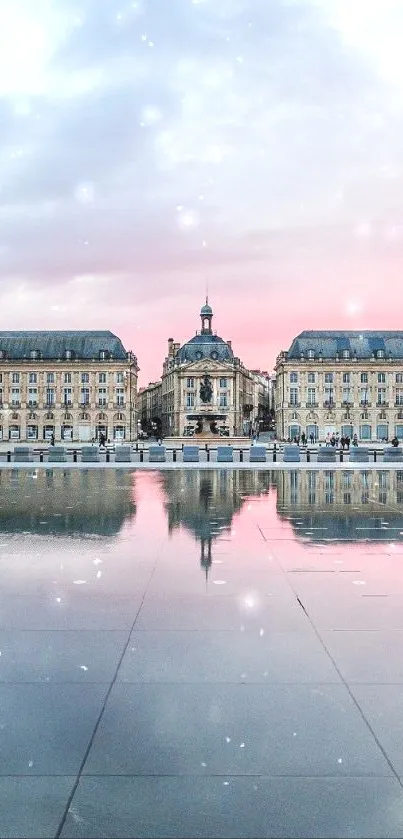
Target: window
329, 396
67, 378
399, 432
85, 377
382, 431
120, 396
293, 377
102, 378
69, 354
364, 378
50, 396
223, 382
380, 354
311, 378
346, 395
34, 354
381, 397
311, 353
399, 396
346, 378
223, 400
119, 378
32, 378
311, 395
85, 396
364, 395
399, 378
67, 396
15, 396
382, 378
50, 378
329, 378
102, 396
190, 400
346, 353
15, 378
190, 382
293, 395
32, 396
103, 355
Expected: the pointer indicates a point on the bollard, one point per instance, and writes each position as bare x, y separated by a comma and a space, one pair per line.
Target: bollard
341, 455
241, 455
374, 455
208, 453
174, 455
40, 457
8, 457
308, 456
108, 456
137, 447
75, 456
141, 455
274, 453
206, 447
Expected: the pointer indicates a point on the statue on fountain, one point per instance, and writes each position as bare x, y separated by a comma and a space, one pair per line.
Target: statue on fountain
206, 390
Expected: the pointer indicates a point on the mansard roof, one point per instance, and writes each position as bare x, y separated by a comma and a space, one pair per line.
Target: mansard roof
361, 345
54, 345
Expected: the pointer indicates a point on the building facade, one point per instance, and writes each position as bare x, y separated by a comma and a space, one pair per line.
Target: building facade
204, 388
343, 383
72, 386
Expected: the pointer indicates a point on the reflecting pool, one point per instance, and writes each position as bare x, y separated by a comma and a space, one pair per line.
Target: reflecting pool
196, 653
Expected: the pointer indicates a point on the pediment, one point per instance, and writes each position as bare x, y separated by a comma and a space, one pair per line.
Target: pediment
208, 366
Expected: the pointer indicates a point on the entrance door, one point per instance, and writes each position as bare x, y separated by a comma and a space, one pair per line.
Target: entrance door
84, 433
67, 432
48, 431
312, 429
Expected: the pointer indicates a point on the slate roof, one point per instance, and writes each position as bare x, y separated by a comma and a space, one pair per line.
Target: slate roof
53, 345
364, 344
205, 346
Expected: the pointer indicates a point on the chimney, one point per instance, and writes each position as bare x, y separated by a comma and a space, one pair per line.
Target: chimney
170, 347
176, 348
229, 344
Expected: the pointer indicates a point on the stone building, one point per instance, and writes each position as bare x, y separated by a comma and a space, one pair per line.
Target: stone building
73, 385
341, 382
204, 388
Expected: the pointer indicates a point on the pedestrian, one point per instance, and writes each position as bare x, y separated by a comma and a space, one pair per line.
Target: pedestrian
312, 438
52, 440
342, 442
347, 441
303, 438
395, 442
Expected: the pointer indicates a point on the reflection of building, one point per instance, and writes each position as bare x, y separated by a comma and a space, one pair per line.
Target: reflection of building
204, 388
204, 502
344, 382
338, 503
73, 385
67, 502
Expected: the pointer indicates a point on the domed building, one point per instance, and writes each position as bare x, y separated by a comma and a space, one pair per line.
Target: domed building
205, 390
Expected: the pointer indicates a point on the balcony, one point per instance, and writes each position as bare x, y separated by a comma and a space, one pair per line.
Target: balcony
294, 404
15, 404
399, 403
119, 404
32, 403
347, 403
102, 403
312, 404
382, 404
364, 403
329, 403
49, 406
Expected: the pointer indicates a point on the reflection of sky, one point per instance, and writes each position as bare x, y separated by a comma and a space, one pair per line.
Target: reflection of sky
254, 144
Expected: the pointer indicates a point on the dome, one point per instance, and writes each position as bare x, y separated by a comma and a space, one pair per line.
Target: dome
206, 310
205, 346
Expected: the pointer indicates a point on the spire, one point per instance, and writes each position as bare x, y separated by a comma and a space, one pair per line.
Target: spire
206, 314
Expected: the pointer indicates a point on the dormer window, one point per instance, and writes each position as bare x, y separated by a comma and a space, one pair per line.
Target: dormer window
346, 353
69, 355
34, 354
380, 353
103, 355
311, 353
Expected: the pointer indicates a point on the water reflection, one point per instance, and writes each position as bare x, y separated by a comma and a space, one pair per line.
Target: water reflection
71, 502
204, 503
342, 505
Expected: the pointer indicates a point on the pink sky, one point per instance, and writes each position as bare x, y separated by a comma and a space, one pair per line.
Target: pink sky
133, 171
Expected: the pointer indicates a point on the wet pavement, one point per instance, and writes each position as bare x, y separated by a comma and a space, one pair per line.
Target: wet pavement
195, 653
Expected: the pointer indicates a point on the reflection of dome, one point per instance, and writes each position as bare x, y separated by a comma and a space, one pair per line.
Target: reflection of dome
205, 346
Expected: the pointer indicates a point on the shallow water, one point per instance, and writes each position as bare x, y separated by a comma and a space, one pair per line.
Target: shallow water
193, 653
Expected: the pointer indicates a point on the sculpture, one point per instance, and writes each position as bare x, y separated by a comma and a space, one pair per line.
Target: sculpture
206, 390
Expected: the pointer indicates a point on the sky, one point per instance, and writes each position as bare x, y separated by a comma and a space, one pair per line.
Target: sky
151, 149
